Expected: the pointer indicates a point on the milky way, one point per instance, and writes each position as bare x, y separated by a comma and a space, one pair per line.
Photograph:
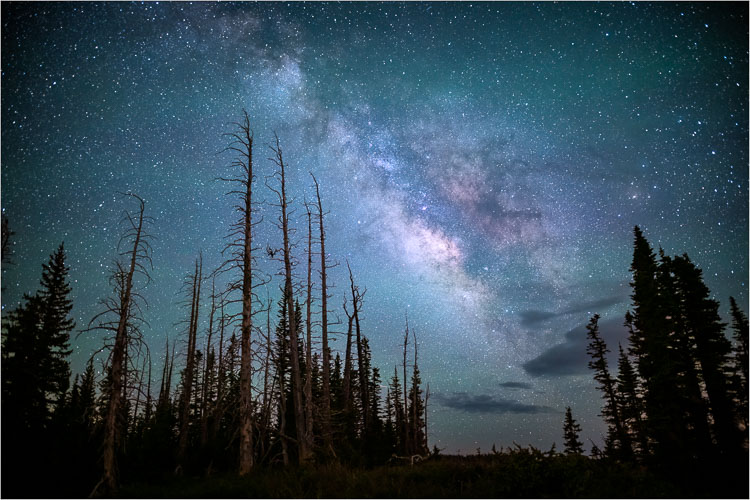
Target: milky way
483, 165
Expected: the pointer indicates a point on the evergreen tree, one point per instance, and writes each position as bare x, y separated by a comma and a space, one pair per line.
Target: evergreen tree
631, 406
690, 417
618, 439
23, 384
712, 350
56, 326
740, 328
571, 431
416, 414
649, 343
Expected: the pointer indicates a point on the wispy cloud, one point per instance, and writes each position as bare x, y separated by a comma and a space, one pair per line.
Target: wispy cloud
534, 317
569, 357
515, 385
485, 403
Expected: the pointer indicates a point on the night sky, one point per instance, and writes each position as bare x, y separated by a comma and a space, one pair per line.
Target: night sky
483, 164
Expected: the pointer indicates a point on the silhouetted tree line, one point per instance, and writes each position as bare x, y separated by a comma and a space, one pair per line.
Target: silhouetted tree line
244, 392
678, 402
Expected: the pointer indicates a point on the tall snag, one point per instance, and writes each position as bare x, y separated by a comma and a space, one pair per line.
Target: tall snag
308, 325
241, 258
361, 372
326, 403
194, 282
304, 439
126, 308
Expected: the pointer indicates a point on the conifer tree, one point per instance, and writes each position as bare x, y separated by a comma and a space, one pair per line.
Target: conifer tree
740, 358
712, 350
631, 406
56, 326
571, 431
649, 343
618, 438
23, 385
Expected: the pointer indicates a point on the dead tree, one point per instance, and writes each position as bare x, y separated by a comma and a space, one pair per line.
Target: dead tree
407, 435
194, 281
363, 383
326, 403
304, 440
347, 382
308, 325
125, 309
208, 367
415, 427
241, 258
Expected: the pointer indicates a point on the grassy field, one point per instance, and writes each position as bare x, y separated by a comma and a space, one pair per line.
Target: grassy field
522, 474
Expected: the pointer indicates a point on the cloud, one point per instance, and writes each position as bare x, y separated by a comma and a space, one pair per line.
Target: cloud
484, 403
515, 385
569, 357
533, 317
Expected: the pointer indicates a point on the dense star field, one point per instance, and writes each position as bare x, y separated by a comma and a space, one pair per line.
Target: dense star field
483, 164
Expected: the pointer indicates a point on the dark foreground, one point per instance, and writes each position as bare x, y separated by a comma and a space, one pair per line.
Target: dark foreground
520, 474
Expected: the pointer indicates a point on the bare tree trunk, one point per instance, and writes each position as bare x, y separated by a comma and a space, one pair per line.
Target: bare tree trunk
243, 145
363, 386
308, 324
149, 400
407, 443
267, 396
415, 425
118, 370
426, 401
347, 390
207, 380
221, 375
324, 326
187, 380
299, 411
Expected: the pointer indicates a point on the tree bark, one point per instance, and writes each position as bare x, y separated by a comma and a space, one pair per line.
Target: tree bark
326, 403
299, 412
246, 404
118, 369
308, 326
187, 381
363, 385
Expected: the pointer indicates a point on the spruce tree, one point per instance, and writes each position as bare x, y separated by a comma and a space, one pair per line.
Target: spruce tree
740, 358
23, 384
711, 351
571, 431
56, 326
649, 343
618, 439
690, 409
631, 406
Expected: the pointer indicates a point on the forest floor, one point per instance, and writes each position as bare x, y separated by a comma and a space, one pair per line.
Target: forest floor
521, 474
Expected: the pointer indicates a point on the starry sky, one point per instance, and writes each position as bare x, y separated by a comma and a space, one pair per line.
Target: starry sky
483, 164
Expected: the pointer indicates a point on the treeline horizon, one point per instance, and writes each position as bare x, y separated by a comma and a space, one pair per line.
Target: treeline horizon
260, 385
250, 392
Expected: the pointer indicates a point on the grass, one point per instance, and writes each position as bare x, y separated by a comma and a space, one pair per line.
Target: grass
520, 474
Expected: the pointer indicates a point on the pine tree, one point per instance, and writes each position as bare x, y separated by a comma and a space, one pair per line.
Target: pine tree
649, 344
618, 438
630, 403
571, 431
740, 355
690, 411
56, 326
712, 350
23, 384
